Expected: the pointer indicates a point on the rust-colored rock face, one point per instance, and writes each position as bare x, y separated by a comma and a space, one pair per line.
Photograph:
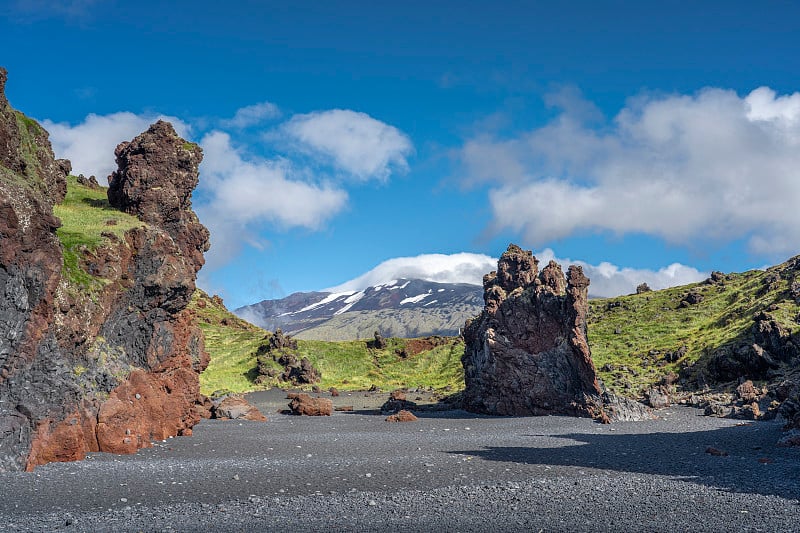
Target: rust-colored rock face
117, 368
30, 269
527, 353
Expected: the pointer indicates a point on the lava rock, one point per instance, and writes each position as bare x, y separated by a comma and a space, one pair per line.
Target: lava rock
237, 408
402, 416
527, 352
303, 404
112, 368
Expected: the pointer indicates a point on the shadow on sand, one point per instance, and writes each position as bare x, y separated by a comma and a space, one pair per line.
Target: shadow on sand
754, 464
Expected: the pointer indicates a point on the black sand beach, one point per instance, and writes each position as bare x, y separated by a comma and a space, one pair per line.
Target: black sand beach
449, 471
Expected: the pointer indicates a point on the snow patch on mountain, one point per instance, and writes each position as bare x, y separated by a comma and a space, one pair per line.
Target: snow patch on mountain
414, 299
440, 268
350, 301
328, 299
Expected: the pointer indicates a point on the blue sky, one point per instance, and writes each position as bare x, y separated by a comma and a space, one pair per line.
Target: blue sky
338, 136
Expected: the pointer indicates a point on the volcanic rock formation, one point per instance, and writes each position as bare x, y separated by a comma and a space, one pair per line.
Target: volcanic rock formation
111, 361
527, 353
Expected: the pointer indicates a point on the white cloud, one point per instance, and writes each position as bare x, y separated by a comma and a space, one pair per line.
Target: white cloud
252, 115
246, 192
456, 268
710, 167
90, 144
354, 142
239, 193
606, 279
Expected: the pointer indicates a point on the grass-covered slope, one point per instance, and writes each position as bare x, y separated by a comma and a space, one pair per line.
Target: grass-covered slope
233, 345
85, 215
638, 339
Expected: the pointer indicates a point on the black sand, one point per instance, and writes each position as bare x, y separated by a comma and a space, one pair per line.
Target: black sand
449, 471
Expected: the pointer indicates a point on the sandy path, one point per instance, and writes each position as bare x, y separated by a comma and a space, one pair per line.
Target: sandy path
448, 471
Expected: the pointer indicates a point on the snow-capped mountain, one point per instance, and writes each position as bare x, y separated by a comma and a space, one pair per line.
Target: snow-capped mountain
401, 308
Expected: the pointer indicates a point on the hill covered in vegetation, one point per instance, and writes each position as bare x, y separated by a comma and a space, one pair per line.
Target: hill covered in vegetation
235, 347
694, 337
704, 334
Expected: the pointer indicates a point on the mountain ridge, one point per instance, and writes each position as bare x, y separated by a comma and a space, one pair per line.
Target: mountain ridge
398, 308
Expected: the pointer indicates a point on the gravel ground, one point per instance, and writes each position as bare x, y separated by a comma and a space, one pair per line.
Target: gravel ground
449, 471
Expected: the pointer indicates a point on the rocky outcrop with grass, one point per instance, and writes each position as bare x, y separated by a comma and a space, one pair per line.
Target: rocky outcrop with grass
30, 270
97, 349
728, 345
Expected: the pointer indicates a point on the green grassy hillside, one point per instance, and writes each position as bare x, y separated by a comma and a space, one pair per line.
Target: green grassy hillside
346, 365
636, 340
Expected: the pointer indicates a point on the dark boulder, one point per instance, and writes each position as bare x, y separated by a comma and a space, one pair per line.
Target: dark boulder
643, 288
378, 342
693, 298
397, 402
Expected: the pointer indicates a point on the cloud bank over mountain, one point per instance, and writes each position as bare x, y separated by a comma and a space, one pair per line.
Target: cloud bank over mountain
455, 268
606, 279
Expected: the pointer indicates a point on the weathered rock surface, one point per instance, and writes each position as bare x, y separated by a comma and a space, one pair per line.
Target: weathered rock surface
282, 349
113, 366
527, 352
30, 267
402, 416
236, 408
155, 179
303, 404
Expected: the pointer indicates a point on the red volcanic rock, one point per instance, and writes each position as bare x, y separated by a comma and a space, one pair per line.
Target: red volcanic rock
303, 404
398, 395
114, 366
237, 408
402, 416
